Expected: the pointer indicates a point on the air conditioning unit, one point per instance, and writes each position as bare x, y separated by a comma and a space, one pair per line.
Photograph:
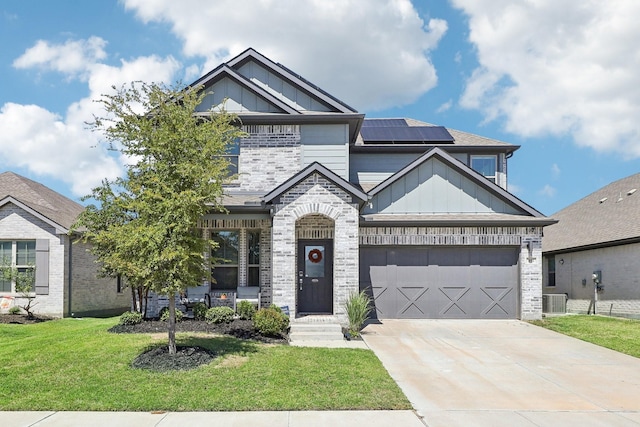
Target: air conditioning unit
554, 303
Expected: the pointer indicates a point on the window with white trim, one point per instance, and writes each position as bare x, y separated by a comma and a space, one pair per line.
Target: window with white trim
486, 165
18, 254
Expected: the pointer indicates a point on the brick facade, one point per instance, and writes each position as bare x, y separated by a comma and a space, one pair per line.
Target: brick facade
269, 155
92, 295
72, 271
307, 210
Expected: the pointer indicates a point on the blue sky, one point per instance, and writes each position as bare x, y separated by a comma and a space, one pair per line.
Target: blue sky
556, 77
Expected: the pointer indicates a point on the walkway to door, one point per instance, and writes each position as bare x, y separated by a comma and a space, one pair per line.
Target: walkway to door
506, 373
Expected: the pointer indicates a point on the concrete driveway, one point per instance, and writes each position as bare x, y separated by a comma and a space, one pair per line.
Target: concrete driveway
506, 373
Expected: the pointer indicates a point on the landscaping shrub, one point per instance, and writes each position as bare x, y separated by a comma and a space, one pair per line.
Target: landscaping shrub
164, 314
199, 310
246, 310
358, 308
270, 321
15, 310
130, 318
220, 315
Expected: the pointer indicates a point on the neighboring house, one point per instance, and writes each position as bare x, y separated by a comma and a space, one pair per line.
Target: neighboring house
599, 234
34, 232
327, 203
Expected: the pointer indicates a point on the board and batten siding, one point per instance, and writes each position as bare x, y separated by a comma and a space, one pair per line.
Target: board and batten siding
327, 145
236, 99
434, 187
373, 168
280, 88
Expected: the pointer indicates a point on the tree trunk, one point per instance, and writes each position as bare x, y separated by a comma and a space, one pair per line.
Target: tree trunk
172, 324
134, 302
146, 300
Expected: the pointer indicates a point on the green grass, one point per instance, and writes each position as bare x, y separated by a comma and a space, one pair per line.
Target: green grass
618, 334
72, 364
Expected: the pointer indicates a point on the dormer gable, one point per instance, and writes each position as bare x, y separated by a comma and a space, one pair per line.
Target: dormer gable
438, 184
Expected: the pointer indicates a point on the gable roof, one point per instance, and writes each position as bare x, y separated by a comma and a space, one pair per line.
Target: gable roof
251, 54
50, 206
288, 111
606, 217
309, 170
224, 70
231, 69
526, 213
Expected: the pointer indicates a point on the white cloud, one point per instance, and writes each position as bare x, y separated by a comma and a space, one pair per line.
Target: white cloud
37, 139
548, 191
555, 170
63, 147
371, 55
556, 67
445, 107
70, 58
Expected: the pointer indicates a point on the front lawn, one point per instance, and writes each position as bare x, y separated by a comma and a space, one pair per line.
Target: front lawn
618, 334
75, 364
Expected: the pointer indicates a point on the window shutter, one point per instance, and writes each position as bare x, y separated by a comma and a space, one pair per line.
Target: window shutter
42, 267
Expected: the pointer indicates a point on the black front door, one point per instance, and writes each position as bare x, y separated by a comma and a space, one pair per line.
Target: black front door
315, 276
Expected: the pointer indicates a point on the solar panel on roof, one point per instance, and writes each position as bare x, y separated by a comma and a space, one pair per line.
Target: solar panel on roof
405, 135
384, 123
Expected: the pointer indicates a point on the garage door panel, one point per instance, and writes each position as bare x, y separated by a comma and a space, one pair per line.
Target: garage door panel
412, 302
453, 282
498, 302
453, 302
385, 301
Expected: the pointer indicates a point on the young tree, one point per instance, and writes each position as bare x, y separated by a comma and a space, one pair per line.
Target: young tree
24, 284
144, 224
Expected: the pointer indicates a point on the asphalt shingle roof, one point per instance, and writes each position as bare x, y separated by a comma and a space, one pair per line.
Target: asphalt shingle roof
48, 203
610, 214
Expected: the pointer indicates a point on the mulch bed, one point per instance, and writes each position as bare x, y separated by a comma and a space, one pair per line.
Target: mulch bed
159, 359
22, 319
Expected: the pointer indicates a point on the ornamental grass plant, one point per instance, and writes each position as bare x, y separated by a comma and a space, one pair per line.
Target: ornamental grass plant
358, 307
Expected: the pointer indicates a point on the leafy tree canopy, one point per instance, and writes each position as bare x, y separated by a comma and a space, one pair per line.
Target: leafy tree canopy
143, 225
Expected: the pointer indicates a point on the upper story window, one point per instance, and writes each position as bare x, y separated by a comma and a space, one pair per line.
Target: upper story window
233, 156
20, 255
487, 165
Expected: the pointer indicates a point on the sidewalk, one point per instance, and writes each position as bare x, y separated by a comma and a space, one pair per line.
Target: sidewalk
219, 419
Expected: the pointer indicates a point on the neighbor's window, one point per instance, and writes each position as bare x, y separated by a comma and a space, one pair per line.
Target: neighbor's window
253, 258
224, 259
485, 165
551, 269
6, 259
20, 254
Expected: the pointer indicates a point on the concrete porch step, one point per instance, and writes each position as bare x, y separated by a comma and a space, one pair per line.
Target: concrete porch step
315, 332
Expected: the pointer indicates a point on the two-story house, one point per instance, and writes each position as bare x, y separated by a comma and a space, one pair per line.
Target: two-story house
327, 203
